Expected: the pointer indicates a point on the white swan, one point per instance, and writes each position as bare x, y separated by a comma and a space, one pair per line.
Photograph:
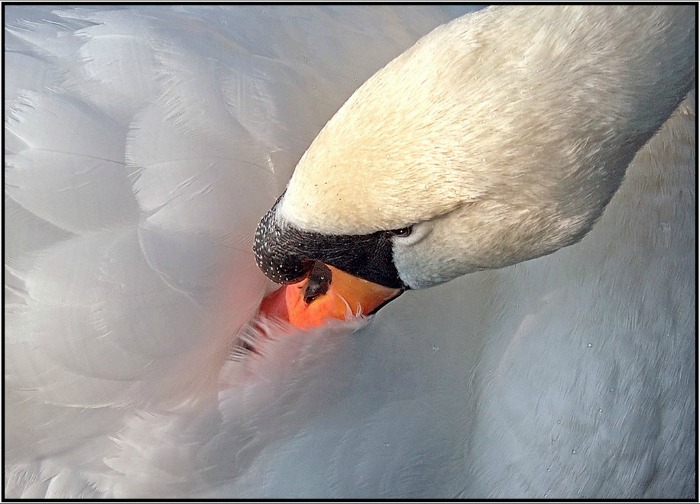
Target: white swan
484, 153
129, 132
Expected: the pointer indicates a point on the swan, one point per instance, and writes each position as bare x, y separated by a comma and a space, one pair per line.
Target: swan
143, 144
466, 153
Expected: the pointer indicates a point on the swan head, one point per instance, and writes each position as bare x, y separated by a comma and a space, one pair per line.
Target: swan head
497, 138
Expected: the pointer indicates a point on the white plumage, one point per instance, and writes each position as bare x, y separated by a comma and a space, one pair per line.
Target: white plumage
142, 146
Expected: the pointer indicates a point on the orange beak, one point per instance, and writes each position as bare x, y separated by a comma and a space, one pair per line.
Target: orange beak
327, 293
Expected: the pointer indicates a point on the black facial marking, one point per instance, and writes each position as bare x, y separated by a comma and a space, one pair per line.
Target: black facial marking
286, 254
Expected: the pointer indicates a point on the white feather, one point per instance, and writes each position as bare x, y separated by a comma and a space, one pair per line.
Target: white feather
143, 145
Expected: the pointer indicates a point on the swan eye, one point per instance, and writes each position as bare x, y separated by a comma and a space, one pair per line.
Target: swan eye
401, 232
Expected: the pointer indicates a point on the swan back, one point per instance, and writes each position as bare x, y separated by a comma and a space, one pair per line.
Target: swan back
143, 143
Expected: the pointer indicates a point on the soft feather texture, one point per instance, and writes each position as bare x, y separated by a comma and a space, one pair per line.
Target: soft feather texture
501, 136
143, 143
